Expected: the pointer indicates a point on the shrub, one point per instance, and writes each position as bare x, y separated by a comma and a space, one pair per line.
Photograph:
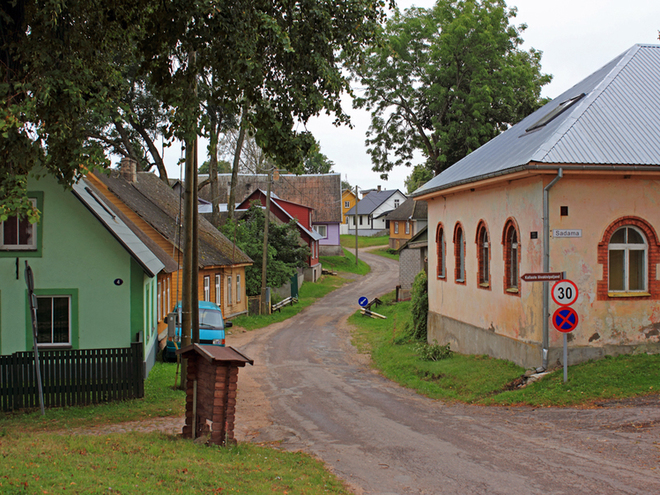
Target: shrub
432, 352
420, 306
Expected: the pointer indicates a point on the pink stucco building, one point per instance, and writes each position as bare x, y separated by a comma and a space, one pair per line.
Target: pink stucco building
574, 187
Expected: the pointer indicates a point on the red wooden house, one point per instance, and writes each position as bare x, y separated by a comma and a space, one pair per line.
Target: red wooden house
285, 211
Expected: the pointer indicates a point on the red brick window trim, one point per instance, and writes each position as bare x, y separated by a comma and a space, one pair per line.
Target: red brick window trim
620, 243
441, 251
483, 256
512, 255
459, 254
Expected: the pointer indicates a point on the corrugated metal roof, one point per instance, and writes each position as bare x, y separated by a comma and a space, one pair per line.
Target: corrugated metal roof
135, 247
616, 123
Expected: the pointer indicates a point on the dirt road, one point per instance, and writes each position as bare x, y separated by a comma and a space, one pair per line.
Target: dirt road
310, 390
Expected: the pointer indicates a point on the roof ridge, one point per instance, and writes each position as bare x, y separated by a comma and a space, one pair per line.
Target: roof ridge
582, 106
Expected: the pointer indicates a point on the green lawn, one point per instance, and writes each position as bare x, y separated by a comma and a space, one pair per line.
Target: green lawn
345, 263
348, 241
484, 380
40, 456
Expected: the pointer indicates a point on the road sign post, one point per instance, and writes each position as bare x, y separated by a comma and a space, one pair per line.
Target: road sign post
565, 319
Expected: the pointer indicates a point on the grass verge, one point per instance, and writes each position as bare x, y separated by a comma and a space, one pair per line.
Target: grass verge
484, 380
386, 252
308, 294
348, 241
153, 463
345, 263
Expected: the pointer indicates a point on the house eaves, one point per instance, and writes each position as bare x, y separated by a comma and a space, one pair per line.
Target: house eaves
119, 230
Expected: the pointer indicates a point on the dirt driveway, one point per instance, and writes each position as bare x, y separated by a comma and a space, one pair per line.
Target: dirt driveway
310, 390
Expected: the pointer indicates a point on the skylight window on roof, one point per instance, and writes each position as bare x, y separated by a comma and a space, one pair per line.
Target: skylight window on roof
553, 114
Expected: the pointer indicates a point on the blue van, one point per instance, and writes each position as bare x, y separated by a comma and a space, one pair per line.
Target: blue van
211, 329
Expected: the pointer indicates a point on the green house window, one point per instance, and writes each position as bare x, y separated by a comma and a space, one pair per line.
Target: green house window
54, 320
18, 234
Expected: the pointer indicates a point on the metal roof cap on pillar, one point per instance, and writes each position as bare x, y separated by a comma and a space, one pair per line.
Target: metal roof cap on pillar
214, 353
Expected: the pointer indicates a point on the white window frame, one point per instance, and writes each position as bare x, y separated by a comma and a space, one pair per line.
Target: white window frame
396, 227
32, 232
229, 298
207, 287
238, 288
626, 248
40, 321
396, 203
407, 227
322, 230
218, 287
347, 204
159, 304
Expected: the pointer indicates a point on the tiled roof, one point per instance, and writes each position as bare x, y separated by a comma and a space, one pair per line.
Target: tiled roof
614, 120
159, 206
319, 191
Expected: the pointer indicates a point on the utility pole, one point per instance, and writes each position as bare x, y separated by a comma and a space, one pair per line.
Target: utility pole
356, 227
189, 297
264, 259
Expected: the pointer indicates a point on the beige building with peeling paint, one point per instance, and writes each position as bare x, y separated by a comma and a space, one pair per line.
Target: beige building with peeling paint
574, 187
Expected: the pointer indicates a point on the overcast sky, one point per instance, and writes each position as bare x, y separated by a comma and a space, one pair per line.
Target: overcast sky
577, 37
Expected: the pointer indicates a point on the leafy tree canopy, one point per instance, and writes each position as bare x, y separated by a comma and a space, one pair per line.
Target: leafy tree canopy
62, 66
444, 81
316, 162
419, 176
286, 252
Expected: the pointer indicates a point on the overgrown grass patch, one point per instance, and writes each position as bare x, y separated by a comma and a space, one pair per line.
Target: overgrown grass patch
308, 294
610, 378
484, 380
345, 263
348, 241
153, 463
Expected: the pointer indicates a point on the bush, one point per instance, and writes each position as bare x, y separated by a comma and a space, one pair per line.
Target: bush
420, 306
432, 352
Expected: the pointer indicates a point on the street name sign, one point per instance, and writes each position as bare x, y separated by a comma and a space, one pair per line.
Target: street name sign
542, 277
563, 233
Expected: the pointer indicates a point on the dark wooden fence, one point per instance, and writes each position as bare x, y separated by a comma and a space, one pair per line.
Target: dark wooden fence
71, 377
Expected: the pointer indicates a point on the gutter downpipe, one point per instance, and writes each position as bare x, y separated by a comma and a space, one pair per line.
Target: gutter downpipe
546, 265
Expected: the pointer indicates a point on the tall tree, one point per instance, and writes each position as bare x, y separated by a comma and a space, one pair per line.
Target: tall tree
61, 60
58, 68
316, 162
444, 81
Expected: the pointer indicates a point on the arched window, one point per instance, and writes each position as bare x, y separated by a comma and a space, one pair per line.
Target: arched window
459, 253
483, 255
441, 249
627, 260
511, 257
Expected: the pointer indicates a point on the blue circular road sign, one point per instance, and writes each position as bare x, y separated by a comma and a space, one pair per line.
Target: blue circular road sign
565, 319
363, 301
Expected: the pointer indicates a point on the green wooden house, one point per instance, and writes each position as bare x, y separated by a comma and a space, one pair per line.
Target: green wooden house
94, 278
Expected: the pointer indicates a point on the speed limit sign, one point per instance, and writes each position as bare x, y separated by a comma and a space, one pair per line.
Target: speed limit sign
564, 293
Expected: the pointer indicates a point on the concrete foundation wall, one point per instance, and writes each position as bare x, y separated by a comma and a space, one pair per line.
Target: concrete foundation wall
468, 339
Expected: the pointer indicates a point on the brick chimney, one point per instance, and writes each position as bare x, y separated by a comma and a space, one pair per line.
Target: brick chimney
128, 169
378, 187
